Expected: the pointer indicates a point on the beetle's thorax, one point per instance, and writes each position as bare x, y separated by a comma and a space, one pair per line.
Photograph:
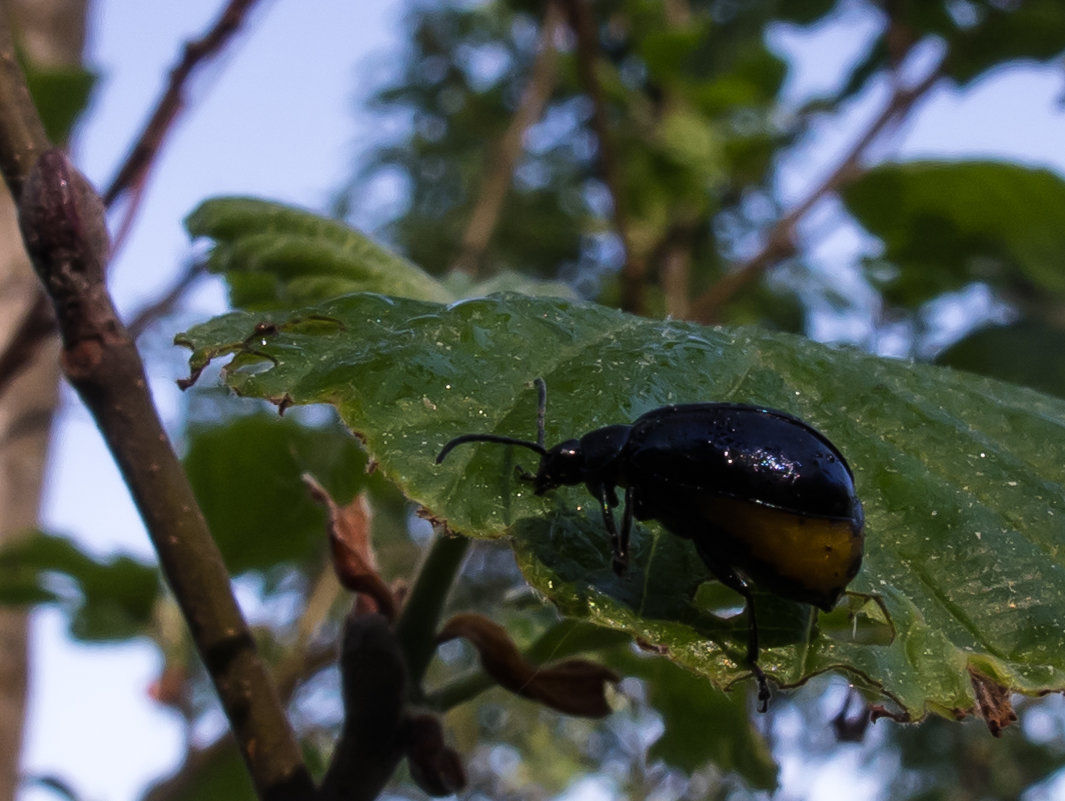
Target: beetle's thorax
593, 457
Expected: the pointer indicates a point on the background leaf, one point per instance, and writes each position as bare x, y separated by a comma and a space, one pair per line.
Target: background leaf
948, 224
106, 600
276, 256
246, 475
701, 724
1024, 352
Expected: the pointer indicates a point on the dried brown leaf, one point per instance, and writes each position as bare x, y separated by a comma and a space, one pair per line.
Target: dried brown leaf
435, 767
352, 549
574, 687
993, 702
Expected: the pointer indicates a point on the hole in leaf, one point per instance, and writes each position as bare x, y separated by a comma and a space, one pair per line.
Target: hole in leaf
859, 619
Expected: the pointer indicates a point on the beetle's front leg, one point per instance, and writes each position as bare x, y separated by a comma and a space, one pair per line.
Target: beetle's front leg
608, 499
621, 552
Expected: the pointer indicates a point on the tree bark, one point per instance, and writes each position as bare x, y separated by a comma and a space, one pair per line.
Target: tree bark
50, 32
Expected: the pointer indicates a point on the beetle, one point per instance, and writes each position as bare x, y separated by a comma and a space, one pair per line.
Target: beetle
763, 496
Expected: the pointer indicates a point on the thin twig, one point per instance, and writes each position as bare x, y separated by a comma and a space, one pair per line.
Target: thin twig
63, 227
195, 54
542, 80
588, 57
780, 240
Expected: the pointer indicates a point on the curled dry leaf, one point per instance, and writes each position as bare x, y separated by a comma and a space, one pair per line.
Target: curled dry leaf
993, 702
434, 766
574, 687
352, 550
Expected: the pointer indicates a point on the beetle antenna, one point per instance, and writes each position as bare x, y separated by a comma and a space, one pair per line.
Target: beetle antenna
541, 409
533, 446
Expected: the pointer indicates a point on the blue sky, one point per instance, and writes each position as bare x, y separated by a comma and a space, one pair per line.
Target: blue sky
91, 721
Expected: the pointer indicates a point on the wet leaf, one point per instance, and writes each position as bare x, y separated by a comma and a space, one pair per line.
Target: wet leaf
960, 477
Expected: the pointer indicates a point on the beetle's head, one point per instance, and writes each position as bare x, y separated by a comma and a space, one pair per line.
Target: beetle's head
563, 465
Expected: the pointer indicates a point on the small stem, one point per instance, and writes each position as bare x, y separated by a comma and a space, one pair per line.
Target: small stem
418, 620
459, 690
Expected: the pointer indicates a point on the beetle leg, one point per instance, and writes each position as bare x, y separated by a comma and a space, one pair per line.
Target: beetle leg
730, 579
608, 499
741, 587
622, 551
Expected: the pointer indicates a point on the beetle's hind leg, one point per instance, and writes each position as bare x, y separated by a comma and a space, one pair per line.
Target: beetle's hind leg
730, 579
739, 585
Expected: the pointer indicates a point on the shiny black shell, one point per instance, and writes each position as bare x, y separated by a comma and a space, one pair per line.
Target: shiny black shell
755, 489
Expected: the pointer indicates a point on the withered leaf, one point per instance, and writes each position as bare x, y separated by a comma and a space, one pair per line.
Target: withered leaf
993, 702
574, 687
352, 550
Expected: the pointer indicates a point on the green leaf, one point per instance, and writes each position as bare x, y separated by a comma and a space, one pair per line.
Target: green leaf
60, 95
945, 225
960, 476
804, 12
277, 256
976, 36
246, 475
107, 600
1017, 353
1032, 30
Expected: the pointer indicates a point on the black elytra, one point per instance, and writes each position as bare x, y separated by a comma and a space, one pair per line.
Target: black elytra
762, 495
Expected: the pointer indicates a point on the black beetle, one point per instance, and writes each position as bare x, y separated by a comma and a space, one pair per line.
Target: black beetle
762, 495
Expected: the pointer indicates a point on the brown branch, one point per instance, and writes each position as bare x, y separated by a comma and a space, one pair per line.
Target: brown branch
195, 54
588, 56
780, 240
63, 227
486, 210
288, 675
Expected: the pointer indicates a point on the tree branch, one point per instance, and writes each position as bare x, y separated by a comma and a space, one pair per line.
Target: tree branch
635, 267
62, 222
196, 53
486, 210
780, 240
